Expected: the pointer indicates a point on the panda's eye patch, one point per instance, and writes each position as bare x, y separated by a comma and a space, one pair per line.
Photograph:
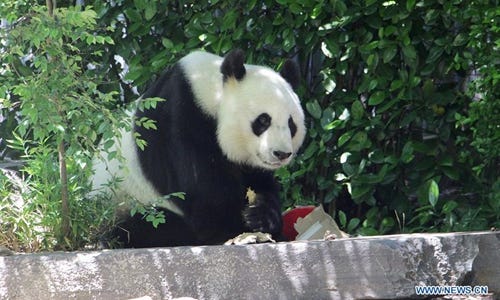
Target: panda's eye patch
292, 126
261, 124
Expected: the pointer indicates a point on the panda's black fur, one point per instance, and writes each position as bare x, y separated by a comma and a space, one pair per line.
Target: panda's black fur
183, 155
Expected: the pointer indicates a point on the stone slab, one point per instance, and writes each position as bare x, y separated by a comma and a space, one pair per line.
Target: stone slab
367, 267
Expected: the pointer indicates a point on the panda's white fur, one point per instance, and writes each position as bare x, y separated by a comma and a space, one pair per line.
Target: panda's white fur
127, 180
234, 104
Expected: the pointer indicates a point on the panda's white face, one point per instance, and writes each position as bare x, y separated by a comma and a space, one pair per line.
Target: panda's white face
260, 121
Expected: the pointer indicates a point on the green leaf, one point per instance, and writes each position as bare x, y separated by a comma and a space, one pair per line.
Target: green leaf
133, 15
410, 5
133, 211
460, 40
357, 110
432, 15
372, 60
449, 206
359, 141
139, 142
167, 43
180, 195
433, 193
229, 20
344, 138
409, 52
342, 219
373, 84
396, 84
353, 223
109, 40
389, 54
314, 109
150, 124
140, 4
374, 21
135, 73
389, 30
150, 11
358, 191
349, 169
376, 98
332, 125
329, 85
407, 153
310, 151
387, 105
316, 11
434, 54
327, 117
451, 172
251, 4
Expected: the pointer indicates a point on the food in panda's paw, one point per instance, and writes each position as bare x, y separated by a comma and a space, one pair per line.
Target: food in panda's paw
251, 196
251, 238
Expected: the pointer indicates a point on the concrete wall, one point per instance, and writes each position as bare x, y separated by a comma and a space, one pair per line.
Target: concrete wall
372, 267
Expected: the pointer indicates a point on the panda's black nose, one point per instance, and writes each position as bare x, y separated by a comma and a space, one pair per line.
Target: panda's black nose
282, 155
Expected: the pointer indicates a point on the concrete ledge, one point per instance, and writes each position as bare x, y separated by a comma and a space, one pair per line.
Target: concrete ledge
371, 267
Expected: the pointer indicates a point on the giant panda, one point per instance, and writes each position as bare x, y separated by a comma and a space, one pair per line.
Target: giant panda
222, 130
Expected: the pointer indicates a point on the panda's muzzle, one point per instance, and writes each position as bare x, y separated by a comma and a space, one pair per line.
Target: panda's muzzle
281, 155
277, 159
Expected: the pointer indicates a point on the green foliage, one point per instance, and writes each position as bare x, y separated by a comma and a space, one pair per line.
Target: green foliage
150, 213
61, 115
383, 112
482, 116
149, 103
30, 215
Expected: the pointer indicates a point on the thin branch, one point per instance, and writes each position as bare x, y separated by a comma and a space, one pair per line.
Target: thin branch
65, 226
51, 6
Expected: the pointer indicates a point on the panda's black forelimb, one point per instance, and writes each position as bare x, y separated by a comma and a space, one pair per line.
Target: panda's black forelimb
262, 216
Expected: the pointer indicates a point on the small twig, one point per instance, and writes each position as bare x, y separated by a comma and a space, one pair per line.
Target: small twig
65, 226
51, 6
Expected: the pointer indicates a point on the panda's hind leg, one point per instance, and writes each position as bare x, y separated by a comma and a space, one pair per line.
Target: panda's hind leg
136, 232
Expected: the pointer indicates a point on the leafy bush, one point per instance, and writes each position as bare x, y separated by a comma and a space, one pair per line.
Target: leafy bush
385, 84
383, 112
61, 115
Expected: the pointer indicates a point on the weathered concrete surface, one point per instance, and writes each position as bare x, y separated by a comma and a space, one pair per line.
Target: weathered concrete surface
374, 267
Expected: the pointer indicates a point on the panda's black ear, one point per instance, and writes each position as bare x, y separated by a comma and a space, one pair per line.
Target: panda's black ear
291, 73
232, 66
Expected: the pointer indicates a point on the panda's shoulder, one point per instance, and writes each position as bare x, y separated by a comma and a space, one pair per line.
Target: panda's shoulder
202, 71
199, 65
197, 57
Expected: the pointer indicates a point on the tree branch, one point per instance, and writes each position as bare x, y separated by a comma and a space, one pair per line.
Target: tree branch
51, 6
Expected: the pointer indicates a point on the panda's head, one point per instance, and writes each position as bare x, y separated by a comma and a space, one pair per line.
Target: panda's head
260, 120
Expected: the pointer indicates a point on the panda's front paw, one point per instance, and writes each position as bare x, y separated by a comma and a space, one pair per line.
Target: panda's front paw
263, 217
